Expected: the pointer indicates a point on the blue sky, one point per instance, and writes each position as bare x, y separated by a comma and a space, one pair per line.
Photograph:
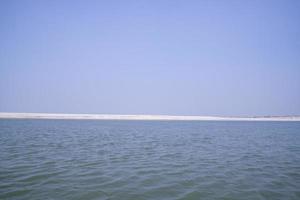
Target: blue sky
150, 57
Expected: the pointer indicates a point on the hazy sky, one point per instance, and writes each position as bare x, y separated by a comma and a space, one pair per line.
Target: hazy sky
150, 57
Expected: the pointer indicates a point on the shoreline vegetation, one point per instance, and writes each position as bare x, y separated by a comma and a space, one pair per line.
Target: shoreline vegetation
7, 115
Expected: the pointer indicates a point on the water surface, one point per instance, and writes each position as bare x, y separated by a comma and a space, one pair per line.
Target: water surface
122, 160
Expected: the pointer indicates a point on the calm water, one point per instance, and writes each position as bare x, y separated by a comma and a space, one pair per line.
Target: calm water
122, 160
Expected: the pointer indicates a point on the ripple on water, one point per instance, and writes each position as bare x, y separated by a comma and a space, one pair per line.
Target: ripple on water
58, 159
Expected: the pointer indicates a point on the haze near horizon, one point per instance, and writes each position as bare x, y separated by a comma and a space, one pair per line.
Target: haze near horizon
224, 58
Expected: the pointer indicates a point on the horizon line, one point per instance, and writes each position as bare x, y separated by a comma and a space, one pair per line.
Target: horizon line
38, 115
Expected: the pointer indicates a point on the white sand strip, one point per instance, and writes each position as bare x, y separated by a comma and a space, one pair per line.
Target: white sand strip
4, 115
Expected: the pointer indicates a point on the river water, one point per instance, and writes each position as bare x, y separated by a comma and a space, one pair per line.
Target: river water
137, 160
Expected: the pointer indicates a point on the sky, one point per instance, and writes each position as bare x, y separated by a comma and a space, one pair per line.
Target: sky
222, 58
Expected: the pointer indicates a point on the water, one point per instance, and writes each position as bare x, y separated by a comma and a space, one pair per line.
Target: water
136, 160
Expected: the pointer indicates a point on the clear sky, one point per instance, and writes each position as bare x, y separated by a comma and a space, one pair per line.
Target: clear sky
150, 57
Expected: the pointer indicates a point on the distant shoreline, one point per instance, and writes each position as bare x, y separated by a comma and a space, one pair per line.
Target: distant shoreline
5, 115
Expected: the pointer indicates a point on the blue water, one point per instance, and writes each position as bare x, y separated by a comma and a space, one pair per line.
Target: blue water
122, 160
